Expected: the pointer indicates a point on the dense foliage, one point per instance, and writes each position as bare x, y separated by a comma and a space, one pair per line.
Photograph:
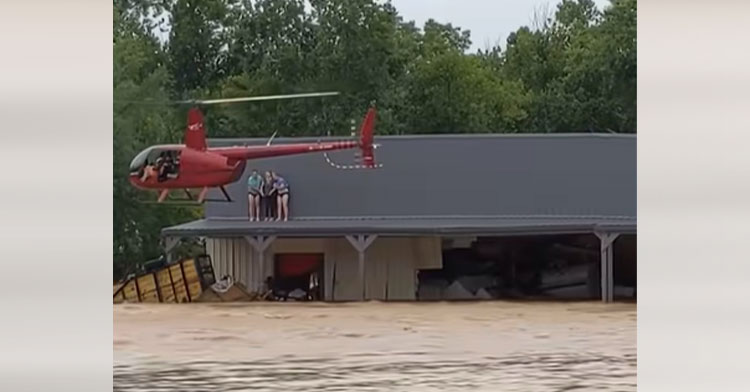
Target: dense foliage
572, 72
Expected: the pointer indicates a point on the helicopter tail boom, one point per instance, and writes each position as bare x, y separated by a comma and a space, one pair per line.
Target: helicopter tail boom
364, 143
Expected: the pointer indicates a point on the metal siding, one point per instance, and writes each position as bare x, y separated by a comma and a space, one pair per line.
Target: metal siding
241, 270
376, 269
221, 269
227, 257
427, 253
232, 257
268, 265
236, 261
347, 286
389, 265
218, 259
401, 269
338, 252
210, 252
250, 266
223, 254
242, 267
251, 259
225, 260
328, 268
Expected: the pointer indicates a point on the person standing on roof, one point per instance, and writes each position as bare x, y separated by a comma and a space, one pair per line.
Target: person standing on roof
268, 197
254, 186
282, 198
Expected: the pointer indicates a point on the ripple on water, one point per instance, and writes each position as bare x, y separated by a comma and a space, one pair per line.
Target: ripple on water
395, 371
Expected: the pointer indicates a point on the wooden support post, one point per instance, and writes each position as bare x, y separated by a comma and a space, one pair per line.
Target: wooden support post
137, 289
171, 281
260, 244
361, 243
606, 241
158, 288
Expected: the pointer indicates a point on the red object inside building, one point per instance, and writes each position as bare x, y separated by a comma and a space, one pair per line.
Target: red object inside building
291, 265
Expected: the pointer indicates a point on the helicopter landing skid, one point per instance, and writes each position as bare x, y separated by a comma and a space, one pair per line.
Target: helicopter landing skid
190, 200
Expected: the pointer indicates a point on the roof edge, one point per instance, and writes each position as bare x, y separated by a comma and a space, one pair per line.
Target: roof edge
624, 227
434, 217
446, 136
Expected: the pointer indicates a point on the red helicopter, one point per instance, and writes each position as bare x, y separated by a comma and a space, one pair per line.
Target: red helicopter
194, 165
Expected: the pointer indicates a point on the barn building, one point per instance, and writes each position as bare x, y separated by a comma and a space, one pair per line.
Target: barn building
445, 217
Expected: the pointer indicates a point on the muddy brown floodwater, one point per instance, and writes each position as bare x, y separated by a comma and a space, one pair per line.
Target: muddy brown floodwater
487, 346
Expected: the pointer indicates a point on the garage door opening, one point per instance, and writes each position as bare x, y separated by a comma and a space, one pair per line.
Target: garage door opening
527, 267
299, 275
625, 267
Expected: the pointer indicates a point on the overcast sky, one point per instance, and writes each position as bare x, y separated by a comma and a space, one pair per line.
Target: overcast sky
490, 21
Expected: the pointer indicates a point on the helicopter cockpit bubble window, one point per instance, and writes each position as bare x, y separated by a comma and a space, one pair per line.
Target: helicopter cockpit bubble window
141, 160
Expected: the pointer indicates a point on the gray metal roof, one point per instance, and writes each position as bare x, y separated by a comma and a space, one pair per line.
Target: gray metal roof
447, 183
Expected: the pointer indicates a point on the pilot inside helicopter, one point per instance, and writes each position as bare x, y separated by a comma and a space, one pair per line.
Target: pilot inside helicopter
166, 166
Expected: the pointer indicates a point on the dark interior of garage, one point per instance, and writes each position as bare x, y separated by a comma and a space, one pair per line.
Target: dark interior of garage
529, 267
297, 276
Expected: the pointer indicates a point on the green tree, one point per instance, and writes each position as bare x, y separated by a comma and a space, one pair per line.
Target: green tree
197, 47
460, 94
579, 67
139, 74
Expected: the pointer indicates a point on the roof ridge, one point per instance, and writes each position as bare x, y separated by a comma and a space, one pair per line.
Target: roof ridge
571, 135
437, 217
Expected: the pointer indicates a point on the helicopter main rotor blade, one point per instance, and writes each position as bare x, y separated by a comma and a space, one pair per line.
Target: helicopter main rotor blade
229, 100
261, 98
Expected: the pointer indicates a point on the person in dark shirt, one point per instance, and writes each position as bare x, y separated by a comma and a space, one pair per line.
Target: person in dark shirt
268, 200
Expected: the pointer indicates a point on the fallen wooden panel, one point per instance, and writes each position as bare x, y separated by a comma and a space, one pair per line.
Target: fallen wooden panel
165, 286
180, 282
147, 288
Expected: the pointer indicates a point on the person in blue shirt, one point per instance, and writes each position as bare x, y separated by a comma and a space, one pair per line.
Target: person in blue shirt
282, 196
254, 186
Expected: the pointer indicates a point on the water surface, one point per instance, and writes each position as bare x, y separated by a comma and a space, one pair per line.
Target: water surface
488, 346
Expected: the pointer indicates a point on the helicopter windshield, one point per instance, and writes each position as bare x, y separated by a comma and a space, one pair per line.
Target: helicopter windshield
140, 160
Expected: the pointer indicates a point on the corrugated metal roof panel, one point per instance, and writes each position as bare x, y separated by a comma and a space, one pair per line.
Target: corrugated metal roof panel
570, 175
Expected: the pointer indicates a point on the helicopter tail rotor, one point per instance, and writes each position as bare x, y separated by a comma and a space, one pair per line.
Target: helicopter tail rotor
366, 132
366, 154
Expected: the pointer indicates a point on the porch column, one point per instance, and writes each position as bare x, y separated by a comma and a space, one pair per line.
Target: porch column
606, 241
260, 244
361, 243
